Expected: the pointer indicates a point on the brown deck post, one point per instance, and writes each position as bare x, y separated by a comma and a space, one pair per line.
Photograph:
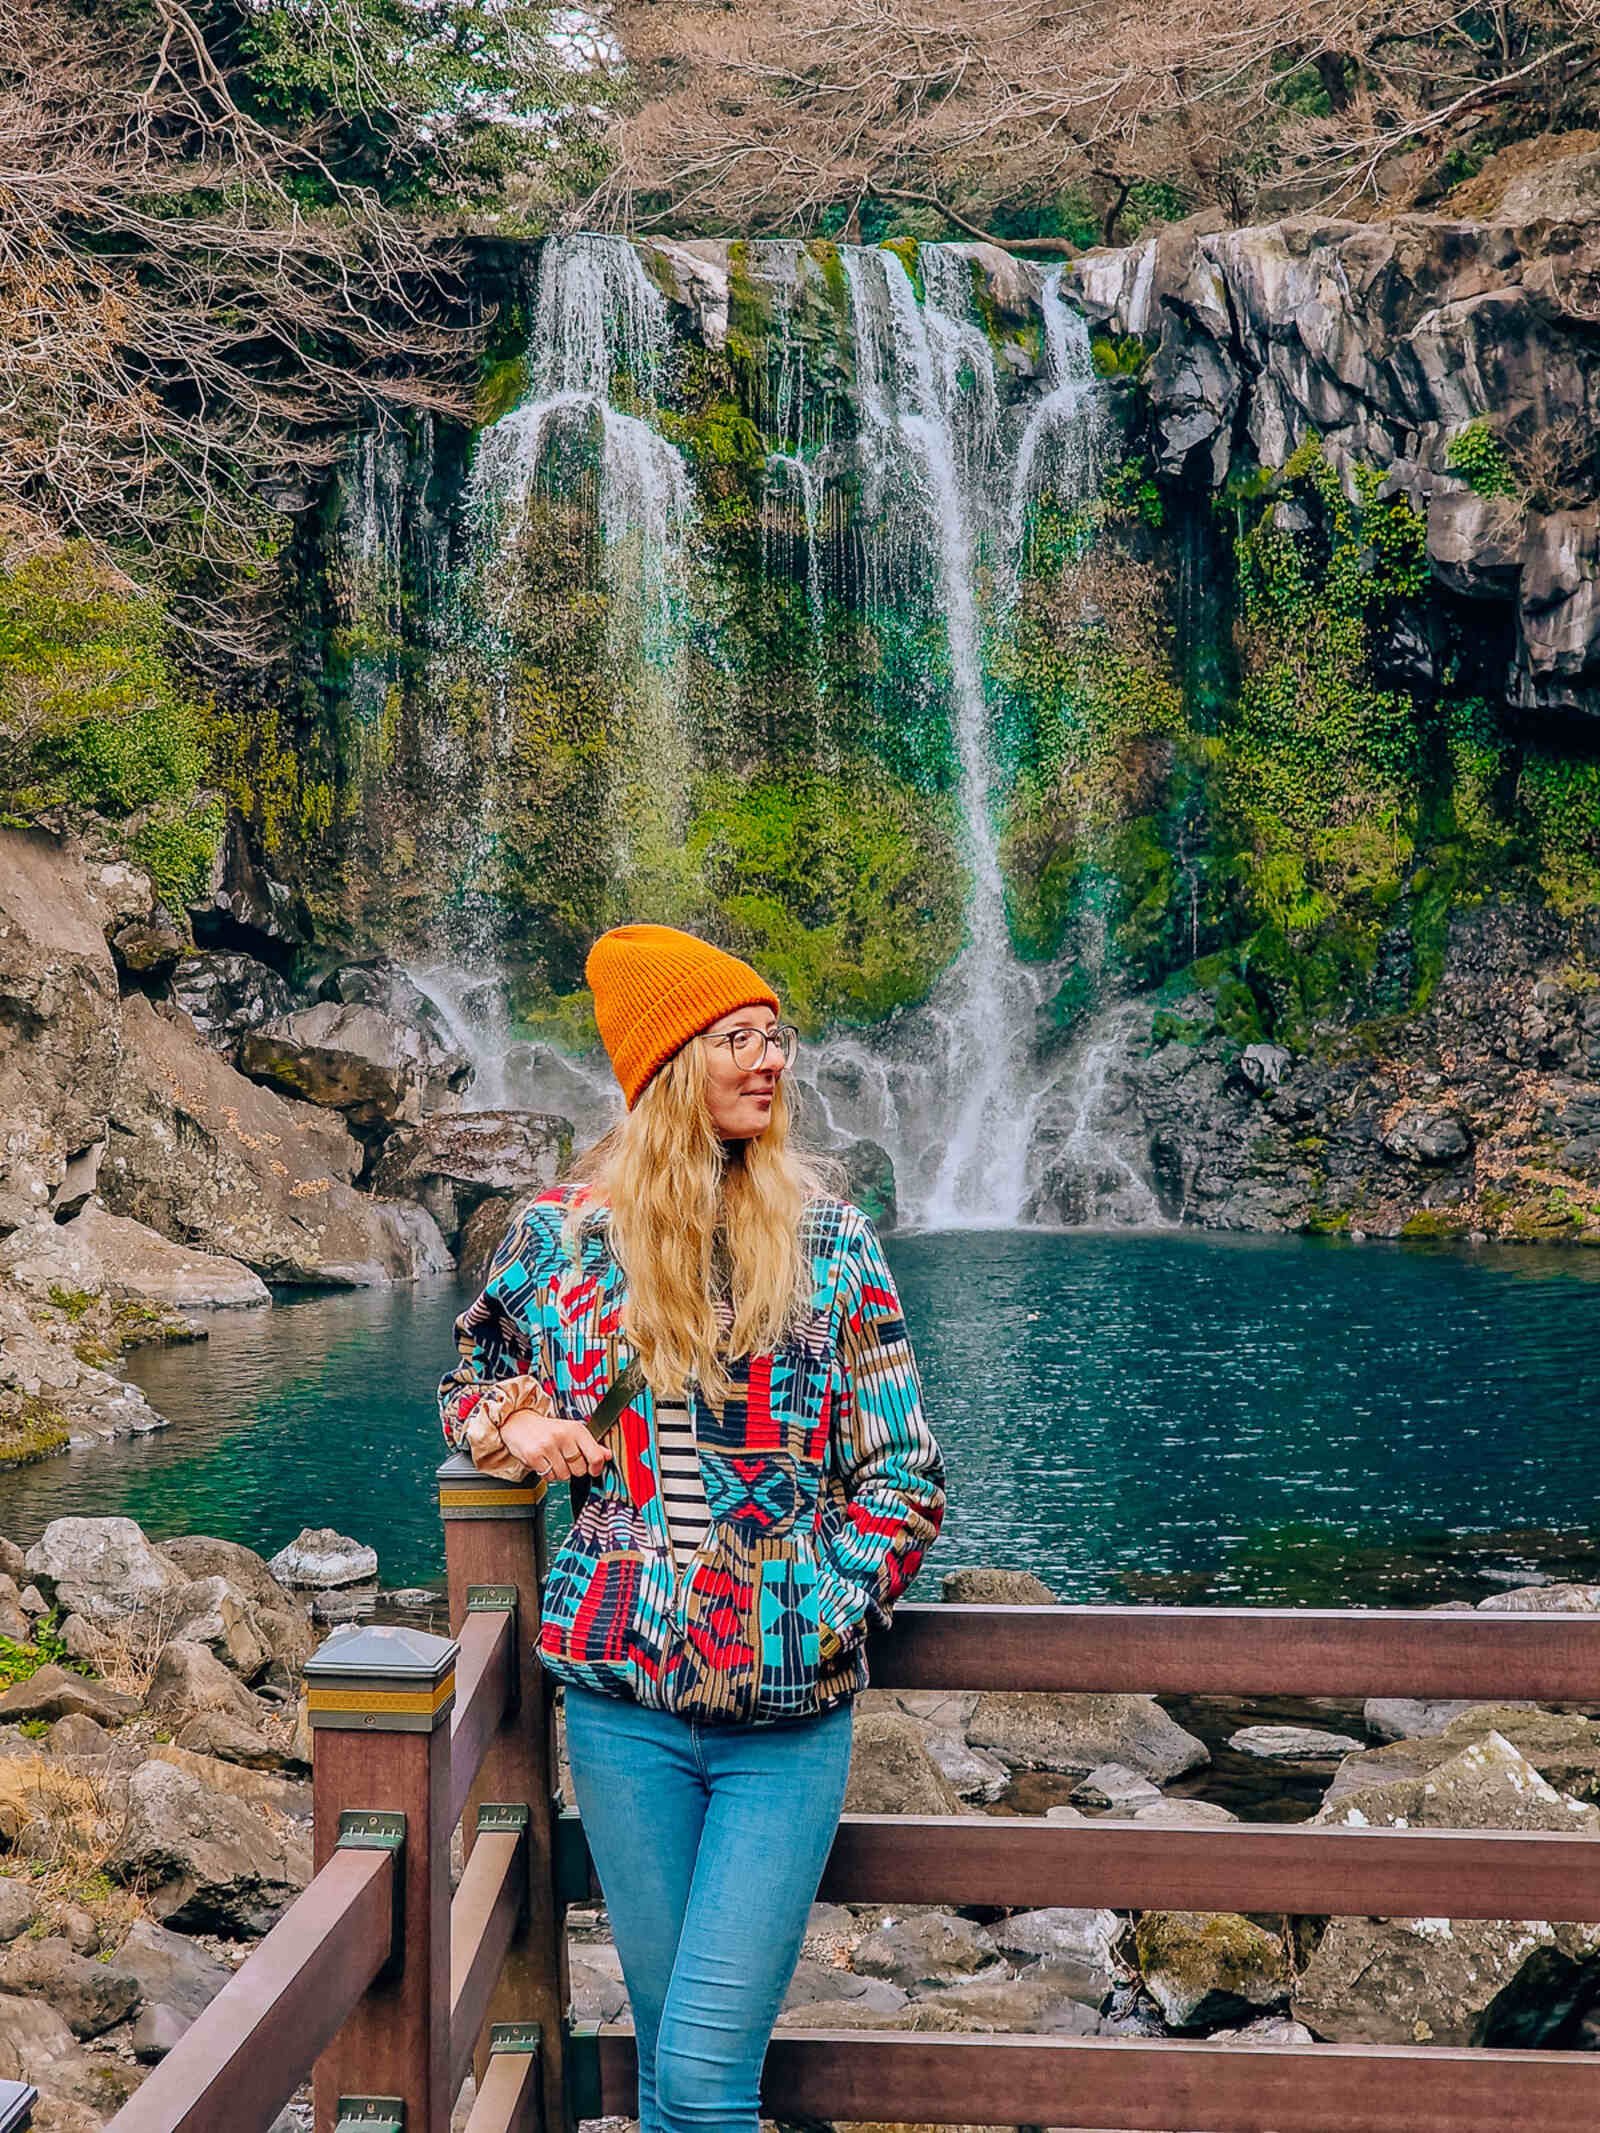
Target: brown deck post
380, 1702
494, 1549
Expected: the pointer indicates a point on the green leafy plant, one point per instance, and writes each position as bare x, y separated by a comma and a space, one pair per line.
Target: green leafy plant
1478, 456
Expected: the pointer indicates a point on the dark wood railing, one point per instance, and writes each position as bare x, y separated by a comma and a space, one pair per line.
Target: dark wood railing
394, 1989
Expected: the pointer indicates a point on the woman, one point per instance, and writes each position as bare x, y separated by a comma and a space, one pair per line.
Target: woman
710, 1348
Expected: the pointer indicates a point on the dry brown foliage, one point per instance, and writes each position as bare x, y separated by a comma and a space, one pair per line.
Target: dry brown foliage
760, 118
179, 337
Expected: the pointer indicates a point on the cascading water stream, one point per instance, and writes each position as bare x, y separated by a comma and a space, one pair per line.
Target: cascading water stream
945, 470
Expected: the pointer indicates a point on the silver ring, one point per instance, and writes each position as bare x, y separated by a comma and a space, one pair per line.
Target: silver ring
538, 1469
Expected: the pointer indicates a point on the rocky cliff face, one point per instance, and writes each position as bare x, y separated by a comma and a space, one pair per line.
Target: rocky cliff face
1389, 342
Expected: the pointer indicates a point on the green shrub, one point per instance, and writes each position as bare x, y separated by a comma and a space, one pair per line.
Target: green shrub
1478, 456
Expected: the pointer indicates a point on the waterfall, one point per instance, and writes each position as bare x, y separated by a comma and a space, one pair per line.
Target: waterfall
600, 338
934, 492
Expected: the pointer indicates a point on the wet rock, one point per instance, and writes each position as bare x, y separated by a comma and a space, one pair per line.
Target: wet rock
261, 1179
1563, 1748
89, 1996
986, 1587
1206, 1968
924, 1949
891, 1771
225, 996
53, 1692
454, 1162
1079, 1733
59, 1020
1293, 1744
869, 1180
319, 1559
99, 1253
481, 1236
103, 1569
209, 1863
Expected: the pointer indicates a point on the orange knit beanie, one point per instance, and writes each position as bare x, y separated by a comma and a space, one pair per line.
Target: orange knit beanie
655, 988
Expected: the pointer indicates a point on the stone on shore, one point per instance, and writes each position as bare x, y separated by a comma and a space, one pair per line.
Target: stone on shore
924, 1950
357, 1060
1563, 1747
189, 1678
986, 1587
891, 1771
208, 1863
102, 1569
90, 1996
54, 1692
1207, 1968
97, 1252
1293, 1744
1065, 1939
1045, 1731
320, 1560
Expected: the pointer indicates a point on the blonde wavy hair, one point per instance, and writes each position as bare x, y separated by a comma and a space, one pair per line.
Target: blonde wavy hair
694, 1220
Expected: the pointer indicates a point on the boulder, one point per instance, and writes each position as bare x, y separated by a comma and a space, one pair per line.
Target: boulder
102, 1569
33, 2038
261, 1179
272, 1788
53, 1692
97, 1253
1040, 2002
1044, 1731
891, 1771
60, 1027
975, 1775
275, 1616
228, 1739
357, 1060
189, 1679
320, 1560
1562, 1747
925, 1949
208, 1863
1206, 1968
157, 2030
1445, 1981
1293, 1744
1543, 1600
1410, 1718
77, 1736
1485, 1784
1420, 1135
170, 1970
1114, 1786
817, 1984
89, 1996
1066, 1939
987, 1587
450, 1164
13, 1622
1183, 1814
446, 1066
226, 995
50, 1398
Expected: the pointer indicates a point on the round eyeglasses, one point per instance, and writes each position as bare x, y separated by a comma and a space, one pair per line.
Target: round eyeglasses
747, 1045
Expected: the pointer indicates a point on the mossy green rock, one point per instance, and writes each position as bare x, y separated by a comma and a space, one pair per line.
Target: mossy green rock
1206, 1968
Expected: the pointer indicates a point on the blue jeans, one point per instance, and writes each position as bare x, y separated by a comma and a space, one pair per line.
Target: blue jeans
709, 1842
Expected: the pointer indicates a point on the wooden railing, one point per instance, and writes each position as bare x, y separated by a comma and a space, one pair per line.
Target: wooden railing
395, 1990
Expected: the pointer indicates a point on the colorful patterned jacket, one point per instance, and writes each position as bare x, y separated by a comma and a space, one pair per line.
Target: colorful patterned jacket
824, 1482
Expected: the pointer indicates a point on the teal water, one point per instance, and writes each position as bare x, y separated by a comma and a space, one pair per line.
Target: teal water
1129, 1415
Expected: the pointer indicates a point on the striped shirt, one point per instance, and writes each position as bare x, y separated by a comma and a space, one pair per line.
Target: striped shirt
683, 1493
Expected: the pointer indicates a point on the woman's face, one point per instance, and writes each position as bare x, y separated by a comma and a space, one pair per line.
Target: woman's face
740, 1098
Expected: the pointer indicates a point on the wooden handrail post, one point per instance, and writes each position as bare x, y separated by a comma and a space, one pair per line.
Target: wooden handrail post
495, 1545
380, 1702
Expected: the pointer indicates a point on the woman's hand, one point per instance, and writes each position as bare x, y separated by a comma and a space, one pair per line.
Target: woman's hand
542, 1440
